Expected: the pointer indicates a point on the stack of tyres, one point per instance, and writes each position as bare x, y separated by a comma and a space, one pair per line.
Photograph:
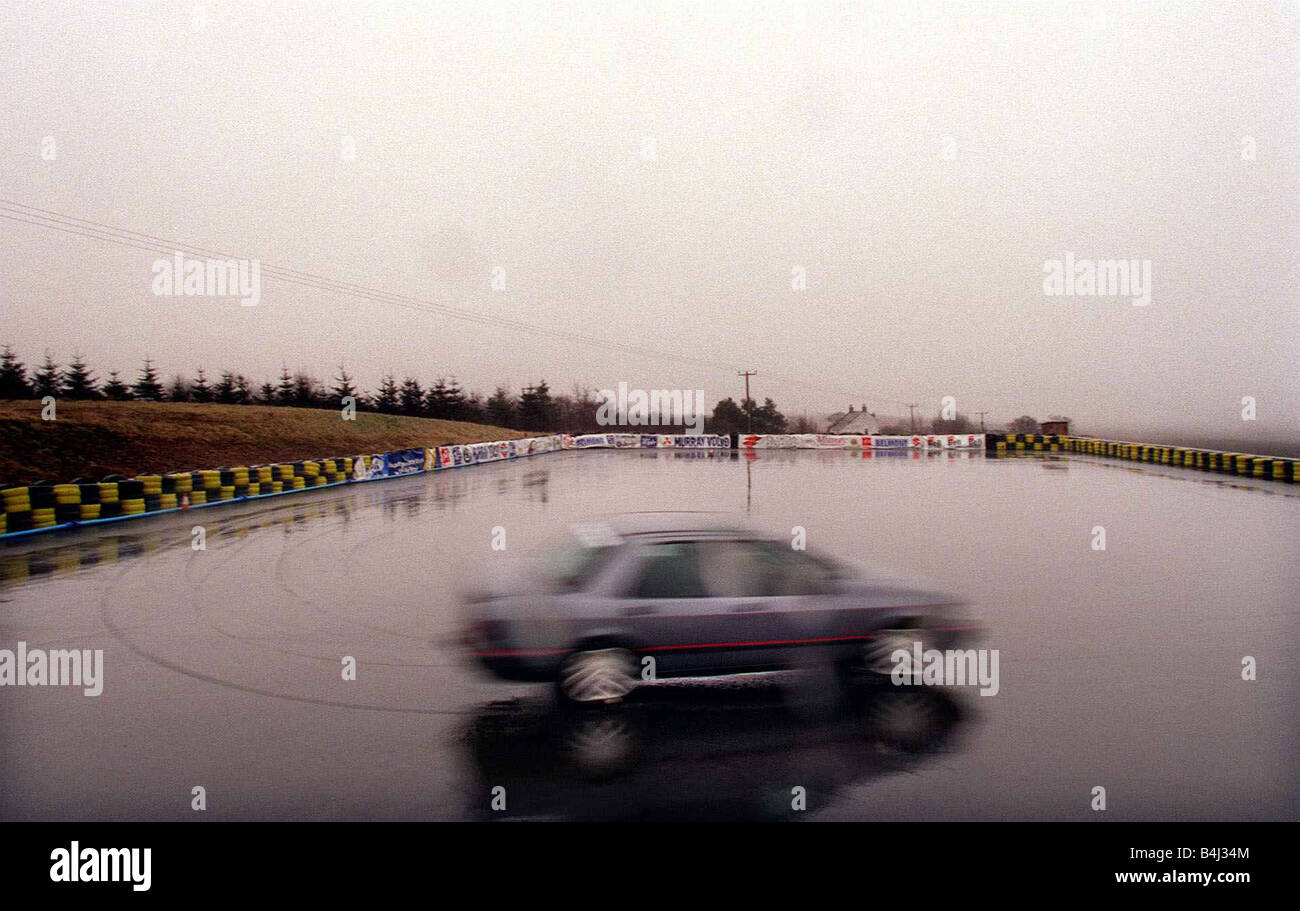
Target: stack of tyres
90, 507
110, 500
131, 495
211, 480
17, 503
261, 479
151, 488
239, 478
281, 478
43, 503
67, 503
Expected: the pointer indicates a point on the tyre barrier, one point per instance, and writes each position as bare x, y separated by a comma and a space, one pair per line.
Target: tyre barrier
1235, 463
45, 506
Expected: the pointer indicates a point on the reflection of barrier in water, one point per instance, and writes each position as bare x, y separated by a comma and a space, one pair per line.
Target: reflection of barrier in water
691, 751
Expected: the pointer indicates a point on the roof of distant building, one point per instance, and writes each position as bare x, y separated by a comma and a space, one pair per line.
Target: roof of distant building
863, 422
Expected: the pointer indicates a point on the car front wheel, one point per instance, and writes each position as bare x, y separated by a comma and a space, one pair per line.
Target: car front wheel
600, 675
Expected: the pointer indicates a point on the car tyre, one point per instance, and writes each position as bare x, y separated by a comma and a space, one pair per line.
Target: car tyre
603, 675
876, 654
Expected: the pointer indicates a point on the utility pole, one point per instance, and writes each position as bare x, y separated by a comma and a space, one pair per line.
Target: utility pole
981, 414
749, 413
912, 408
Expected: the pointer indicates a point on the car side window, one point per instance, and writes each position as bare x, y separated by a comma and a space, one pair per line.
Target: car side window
668, 571
737, 569
797, 573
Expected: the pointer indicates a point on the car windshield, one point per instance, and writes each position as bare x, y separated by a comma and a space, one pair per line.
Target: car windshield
580, 553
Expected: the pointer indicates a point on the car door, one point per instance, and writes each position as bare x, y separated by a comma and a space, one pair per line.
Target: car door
703, 606
825, 619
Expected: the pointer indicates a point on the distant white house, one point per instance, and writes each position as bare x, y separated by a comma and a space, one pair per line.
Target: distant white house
853, 422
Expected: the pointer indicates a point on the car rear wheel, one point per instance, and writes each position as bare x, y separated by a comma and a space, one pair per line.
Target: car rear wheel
599, 675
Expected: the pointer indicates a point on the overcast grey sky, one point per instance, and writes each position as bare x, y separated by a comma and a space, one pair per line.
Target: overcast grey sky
652, 173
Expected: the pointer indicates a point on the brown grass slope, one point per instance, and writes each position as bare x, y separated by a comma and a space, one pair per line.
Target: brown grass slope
93, 439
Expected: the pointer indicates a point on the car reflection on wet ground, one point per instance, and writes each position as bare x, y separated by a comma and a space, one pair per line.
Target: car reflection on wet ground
734, 750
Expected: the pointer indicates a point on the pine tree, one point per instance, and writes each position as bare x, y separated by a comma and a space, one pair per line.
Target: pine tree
343, 388
48, 379
411, 397
437, 404
79, 382
456, 405
13, 376
536, 408
284, 392
501, 408
306, 391
471, 408
115, 390
200, 389
387, 400
226, 392
266, 396
179, 391
147, 386
243, 390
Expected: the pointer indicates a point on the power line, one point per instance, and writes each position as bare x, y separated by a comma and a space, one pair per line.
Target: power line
44, 218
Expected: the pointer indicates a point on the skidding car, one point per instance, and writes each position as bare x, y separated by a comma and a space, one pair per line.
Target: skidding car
699, 594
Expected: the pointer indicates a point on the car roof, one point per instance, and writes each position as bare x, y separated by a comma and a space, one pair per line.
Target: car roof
675, 522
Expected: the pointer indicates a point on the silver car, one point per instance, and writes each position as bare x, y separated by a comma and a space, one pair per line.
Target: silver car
680, 594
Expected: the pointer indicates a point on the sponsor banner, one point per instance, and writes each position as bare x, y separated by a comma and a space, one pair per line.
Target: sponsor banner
649, 441
485, 452
769, 441
829, 441
954, 441
369, 467
594, 440
895, 442
403, 461
431, 459
360, 467
627, 440
695, 441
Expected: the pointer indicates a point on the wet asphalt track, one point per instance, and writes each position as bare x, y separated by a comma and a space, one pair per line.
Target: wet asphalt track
222, 667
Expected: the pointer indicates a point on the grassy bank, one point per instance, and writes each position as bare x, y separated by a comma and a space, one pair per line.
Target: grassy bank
93, 439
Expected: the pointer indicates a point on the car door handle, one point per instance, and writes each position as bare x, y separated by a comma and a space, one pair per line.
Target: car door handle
639, 610
749, 608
